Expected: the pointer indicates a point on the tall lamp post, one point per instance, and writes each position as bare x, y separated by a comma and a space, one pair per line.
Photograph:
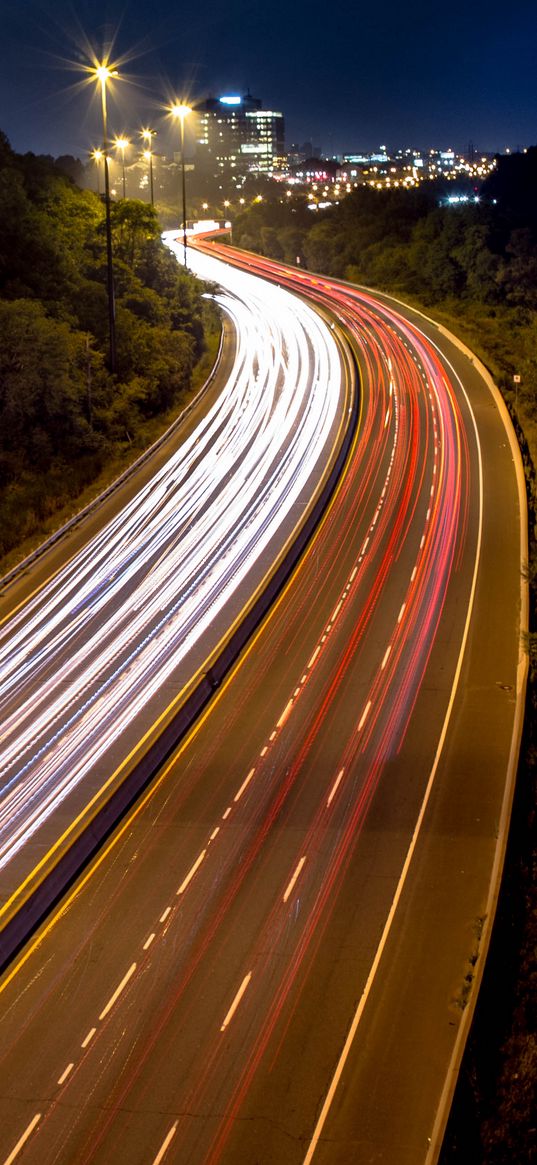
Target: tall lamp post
121, 145
102, 74
98, 156
182, 111
147, 135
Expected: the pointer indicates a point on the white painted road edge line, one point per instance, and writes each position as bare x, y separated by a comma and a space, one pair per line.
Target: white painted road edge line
417, 829
22, 1140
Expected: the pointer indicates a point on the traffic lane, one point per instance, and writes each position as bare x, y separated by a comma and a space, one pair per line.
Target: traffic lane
434, 955
287, 483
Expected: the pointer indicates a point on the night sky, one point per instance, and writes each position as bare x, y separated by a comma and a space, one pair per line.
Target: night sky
347, 77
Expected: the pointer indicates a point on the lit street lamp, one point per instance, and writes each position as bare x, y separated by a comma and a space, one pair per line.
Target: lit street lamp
102, 74
98, 156
121, 145
182, 111
147, 135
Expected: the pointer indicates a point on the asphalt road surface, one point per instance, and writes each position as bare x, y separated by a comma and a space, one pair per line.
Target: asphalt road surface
268, 962
95, 655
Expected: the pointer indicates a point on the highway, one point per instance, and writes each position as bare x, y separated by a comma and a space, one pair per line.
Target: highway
266, 961
89, 662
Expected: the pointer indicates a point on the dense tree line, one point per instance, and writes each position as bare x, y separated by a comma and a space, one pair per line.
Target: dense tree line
475, 262
62, 414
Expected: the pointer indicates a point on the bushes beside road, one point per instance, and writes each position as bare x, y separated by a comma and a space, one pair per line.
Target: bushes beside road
63, 417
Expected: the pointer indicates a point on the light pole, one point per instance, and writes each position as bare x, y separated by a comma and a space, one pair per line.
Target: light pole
147, 135
182, 111
98, 156
121, 145
102, 74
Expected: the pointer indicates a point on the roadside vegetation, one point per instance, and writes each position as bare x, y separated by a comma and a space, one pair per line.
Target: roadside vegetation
67, 424
473, 267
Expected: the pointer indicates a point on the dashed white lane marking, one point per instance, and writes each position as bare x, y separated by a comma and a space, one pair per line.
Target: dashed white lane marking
422, 543
165, 1144
336, 611
401, 613
165, 914
413, 575
273, 734
88, 1038
149, 940
196, 865
121, 986
292, 883
22, 1140
335, 787
67, 1073
386, 656
285, 713
244, 785
353, 574
364, 547
226, 814
236, 1001
365, 714
314, 656
215, 833
264, 750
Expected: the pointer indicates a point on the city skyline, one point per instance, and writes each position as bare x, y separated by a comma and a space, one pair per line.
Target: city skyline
443, 80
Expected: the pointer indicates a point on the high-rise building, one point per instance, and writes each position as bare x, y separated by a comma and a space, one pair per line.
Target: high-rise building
237, 136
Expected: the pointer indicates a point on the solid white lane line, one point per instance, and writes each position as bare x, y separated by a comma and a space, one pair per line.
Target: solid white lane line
244, 785
165, 1144
196, 865
236, 1001
65, 1074
334, 787
148, 941
89, 1037
365, 714
118, 991
22, 1140
291, 885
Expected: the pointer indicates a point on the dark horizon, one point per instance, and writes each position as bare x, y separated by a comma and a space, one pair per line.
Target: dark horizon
441, 80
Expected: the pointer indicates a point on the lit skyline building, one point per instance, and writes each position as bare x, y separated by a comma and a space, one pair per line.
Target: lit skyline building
236, 136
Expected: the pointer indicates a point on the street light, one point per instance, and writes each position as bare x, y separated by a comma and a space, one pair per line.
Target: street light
147, 135
182, 111
102, 74
121, 144
98, 156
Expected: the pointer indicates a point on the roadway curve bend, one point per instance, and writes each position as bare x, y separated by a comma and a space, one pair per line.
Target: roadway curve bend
269, 960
